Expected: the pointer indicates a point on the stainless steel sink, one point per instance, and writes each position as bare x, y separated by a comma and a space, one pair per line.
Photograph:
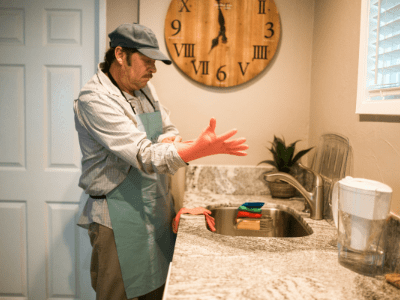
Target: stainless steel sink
276, 221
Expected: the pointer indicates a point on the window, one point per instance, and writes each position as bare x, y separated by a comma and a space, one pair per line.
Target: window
379, 62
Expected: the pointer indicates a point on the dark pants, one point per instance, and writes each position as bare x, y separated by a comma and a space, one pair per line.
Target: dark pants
105, 270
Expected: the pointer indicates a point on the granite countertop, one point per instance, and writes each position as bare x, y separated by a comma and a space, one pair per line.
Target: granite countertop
207, 265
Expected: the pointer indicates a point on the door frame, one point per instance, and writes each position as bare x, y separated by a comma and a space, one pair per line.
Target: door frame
100, 25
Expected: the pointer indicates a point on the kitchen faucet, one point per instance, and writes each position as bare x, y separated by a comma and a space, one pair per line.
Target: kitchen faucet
315, 198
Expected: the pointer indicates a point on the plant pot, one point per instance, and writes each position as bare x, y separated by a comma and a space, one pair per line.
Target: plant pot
281, 189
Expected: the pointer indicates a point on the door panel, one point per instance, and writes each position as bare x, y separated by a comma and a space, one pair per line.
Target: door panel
13, 251
63, 250
12, 117
12, 24
63, 27
61, 84
49, 50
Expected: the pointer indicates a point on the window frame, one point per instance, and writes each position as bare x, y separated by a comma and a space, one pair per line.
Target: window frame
363, 105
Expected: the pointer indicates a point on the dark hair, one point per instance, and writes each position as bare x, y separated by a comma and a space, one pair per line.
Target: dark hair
109, 57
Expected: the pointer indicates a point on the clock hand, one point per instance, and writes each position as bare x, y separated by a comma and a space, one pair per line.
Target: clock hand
214, 43
222, 29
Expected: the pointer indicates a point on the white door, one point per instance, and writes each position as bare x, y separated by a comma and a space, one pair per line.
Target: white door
48, 50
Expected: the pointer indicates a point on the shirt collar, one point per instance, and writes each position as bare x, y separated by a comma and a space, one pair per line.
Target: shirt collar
107, 83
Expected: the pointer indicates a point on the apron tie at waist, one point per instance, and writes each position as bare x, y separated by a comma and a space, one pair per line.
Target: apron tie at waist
98, 197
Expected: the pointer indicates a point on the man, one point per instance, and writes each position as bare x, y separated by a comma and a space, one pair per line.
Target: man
129, 146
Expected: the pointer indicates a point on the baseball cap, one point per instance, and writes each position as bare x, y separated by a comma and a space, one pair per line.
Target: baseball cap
139, 37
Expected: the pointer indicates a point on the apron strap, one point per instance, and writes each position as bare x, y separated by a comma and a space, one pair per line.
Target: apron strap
148, 99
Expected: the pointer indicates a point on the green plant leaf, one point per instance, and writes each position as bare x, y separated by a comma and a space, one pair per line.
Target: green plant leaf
278, 141
290, 152
270, 162
293, 146
284, 156
300, 154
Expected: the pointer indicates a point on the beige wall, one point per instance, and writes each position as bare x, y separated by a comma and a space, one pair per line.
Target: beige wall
309, 89
375, 139
275, 102
120, 12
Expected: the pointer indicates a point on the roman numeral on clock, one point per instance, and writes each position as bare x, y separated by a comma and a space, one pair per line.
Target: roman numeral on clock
202, 65
184, 6
260, 52
241, 67
189, 50
261, 7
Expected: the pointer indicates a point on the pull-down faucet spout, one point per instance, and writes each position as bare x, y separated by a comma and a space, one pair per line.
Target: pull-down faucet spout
315, 198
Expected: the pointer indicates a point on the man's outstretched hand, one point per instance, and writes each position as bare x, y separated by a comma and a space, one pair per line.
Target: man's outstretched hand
208, 143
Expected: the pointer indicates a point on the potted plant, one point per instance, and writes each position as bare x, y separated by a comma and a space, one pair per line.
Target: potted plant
284, 160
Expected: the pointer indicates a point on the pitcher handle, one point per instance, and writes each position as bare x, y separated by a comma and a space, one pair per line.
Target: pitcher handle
335, 203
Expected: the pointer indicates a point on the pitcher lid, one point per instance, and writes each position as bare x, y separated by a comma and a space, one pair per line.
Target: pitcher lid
366, 184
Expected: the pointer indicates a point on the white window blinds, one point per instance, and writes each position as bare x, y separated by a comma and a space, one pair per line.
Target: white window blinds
383, 65
378, 89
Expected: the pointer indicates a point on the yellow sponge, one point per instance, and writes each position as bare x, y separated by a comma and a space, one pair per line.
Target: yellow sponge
247, 224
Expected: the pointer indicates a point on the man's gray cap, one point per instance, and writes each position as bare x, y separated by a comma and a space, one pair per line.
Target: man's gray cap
139, 37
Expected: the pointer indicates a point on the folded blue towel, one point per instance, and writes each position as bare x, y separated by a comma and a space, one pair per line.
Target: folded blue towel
253, 204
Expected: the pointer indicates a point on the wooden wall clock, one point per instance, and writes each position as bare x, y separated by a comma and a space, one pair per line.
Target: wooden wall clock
222, 43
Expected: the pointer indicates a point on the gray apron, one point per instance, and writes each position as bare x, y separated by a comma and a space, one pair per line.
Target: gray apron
141, 212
